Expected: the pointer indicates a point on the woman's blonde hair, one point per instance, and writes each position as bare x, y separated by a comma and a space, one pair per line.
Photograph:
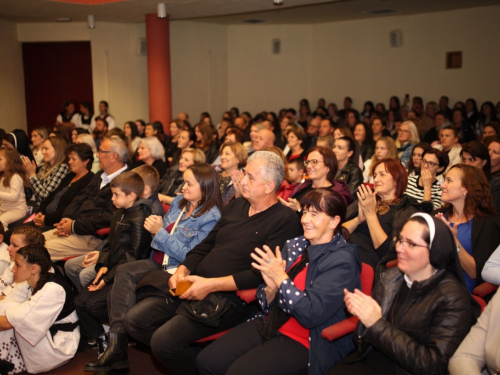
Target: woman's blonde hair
59, 145
391, 146
238, 150
198, 155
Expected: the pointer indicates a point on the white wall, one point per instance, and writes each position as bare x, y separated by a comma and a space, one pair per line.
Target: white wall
119, 74
12, 99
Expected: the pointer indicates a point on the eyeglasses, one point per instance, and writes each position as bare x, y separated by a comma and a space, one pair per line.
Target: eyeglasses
313, 162
404, 131
99, 152
408, 244
429, 163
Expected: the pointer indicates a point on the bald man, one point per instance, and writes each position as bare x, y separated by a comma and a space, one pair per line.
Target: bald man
265, 138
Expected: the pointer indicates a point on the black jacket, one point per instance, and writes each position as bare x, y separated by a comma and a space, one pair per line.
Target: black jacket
352, 176
65, 199
128, 240
92, 209
434, 319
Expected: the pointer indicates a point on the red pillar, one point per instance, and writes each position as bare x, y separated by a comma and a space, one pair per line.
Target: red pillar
160, 93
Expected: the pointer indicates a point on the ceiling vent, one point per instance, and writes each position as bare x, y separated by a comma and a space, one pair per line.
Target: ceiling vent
253, 21
382, 12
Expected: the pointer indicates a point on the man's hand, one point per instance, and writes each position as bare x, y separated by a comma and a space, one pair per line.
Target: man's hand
90, 259
178, 275
200, 289
64, 227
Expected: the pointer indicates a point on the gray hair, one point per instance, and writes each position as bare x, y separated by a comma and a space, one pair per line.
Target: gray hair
155, 147
274, 167
87, 138
119, 146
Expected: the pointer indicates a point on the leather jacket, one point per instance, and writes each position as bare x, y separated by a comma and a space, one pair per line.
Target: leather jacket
352, 176
429, 327
128, 239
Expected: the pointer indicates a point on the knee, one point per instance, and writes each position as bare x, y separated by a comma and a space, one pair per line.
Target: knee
164, 347
134, 321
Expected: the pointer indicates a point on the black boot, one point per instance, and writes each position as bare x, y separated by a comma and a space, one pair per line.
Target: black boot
115, 357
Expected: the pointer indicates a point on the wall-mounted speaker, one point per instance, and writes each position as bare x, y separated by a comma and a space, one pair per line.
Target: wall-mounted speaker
396, 38
142, 49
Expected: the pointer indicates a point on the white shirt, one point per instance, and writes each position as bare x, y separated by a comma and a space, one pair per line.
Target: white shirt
106, 179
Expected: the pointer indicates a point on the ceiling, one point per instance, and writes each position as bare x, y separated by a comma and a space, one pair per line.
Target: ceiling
224, 11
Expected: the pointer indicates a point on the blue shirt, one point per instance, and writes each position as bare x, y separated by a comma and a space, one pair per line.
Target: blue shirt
464, 236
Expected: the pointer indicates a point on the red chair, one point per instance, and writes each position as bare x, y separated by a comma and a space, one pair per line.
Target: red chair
166, 207
484, 290
348, 325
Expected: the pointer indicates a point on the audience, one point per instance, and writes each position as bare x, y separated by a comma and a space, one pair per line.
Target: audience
233, 157
385, 148
407, 138
448, 142
151, 152
347, 171
416, 158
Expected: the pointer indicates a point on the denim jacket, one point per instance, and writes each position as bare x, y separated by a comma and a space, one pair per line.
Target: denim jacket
189, 233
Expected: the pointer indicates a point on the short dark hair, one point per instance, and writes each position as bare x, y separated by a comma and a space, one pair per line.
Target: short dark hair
86, 105
209, 186
351, 143
452, 128
103, 121
330, 161
442, 157
299, 163
477, 149
84, 152
105, 103
129, 182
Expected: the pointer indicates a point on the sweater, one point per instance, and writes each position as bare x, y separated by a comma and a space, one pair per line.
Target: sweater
227, 248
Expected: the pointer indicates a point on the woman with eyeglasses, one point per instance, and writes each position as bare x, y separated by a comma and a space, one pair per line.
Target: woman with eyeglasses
375, 218
407, 138
472, 219
321, 166
419, 311
427, 186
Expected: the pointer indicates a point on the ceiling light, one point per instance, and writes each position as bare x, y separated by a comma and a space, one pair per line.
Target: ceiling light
91, 21
278, 2
162, 10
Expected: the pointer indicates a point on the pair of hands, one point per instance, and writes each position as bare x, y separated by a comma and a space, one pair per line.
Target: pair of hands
39, 220
153, 224
367, 203
96, 284
29, 166
236, 177
272, 268
63, 228
364, 307
200, 288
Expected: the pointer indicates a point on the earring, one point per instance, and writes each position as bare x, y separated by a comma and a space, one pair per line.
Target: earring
465, 195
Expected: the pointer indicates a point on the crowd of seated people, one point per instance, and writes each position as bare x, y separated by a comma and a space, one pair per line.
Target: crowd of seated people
292, 205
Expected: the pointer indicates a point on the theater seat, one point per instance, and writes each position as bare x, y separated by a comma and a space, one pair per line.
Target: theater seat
348, 325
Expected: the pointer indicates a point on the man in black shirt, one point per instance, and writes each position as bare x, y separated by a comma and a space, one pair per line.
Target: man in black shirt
217, 267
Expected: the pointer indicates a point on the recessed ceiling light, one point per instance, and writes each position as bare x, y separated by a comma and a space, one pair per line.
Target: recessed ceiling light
64, 19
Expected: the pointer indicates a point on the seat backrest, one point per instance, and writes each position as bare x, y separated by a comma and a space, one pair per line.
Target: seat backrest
166, 207
367, 275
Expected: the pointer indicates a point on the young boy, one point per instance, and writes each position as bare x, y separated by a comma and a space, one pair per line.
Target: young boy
127, 241
151, 179
296, 170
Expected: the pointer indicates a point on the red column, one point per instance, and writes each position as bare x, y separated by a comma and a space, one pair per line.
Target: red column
160, 93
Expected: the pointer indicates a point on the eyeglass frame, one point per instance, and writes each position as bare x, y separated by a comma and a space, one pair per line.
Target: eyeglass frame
429, 163
313, 162
411, 245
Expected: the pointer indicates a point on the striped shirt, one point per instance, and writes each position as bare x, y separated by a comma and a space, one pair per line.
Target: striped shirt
416, 191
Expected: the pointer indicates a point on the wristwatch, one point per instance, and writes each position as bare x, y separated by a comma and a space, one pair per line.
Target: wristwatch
458, 247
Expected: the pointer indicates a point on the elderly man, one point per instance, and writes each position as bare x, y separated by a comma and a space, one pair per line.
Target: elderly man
90, 210
217, 267
265, 138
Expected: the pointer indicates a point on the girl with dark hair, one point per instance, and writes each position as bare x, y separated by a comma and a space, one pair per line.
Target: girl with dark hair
416, 158
13, 181
394, 104
131, 131
18, 140
427, 185
375, 218
363, 134
472, 219
191, 216
39, 313
321, 166
205, 141
476, 155
176, 127
186, 139
368, 109
286, 337
343, 149
419, 311
53, 170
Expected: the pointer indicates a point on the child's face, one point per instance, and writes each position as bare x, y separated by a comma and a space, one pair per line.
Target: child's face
16, 242
3, 162
294, 174
122, 200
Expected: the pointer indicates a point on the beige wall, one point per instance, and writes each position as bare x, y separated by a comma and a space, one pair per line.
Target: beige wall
119, 74
354, 58
12, 100
199, 69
